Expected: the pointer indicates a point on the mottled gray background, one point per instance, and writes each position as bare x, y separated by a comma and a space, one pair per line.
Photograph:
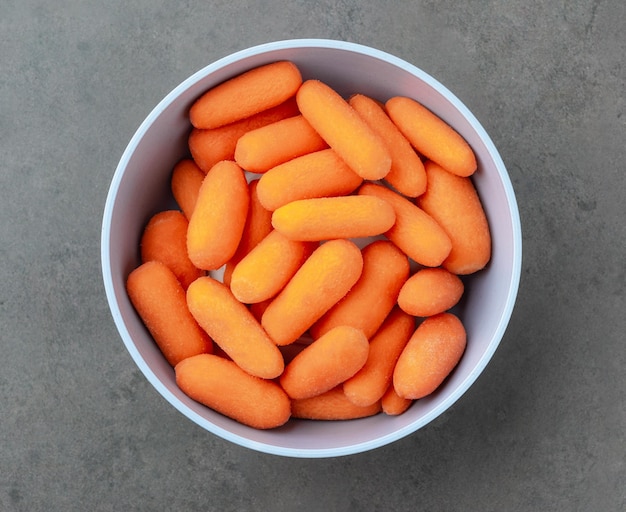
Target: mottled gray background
543, 428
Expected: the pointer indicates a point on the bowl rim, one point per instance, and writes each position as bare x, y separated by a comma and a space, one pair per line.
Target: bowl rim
511, 294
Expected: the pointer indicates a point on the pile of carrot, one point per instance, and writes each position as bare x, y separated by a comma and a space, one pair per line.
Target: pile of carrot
313, 268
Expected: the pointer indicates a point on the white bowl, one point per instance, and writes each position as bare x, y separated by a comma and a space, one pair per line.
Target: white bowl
140, 188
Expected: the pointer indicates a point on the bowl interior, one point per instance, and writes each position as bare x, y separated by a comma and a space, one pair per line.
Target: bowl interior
140, 188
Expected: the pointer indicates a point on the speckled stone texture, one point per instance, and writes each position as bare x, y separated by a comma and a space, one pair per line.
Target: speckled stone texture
543, 428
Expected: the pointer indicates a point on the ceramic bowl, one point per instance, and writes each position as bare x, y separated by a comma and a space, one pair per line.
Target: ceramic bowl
140, 188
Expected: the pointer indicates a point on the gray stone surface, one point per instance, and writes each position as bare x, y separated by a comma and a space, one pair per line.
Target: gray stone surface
542, 429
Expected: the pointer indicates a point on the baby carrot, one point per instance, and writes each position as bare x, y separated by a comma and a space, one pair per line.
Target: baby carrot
165, 239
344, 130
265, 270
332, 405
430, 291
217, 222
246, 94
258, 308
325, 363
233, 328
257, 227
415, 232
369, 384
454, 203
327, 218
207, 147
224, 387
186, 180
318, 174
393, 404
432, 136
430, 355
266, 147
159, 299
322, 280
407, 174
367, 304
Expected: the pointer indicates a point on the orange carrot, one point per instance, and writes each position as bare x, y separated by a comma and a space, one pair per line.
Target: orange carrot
318, 174
217, 222
367, 304
245, 95
369, 384
266, 147
165, 239
327, 218
393, 404
258, 308
344, 130
407, 174
186, 180
430, 291
325, 363
233, 328
159, 299
415, 232
208, 147
430, 355
332, 405
454, 203
289, 352
322, 280
432, 136
223, 386
257, 227
267, 268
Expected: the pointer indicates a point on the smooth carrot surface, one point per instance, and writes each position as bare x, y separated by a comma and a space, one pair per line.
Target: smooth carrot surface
233, 327
432, 136
258, 225
246, 94
344, 130
267, 268
415, 232
159, 299
164, 239
266, 147
207, 147
367, 304
318, 174
323, 279
332, 405
185, 184
433, 351
325, 363
454, 203
369, 384
393, 404
430, 291
221, 385
217, 222
328, 218
407, 173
